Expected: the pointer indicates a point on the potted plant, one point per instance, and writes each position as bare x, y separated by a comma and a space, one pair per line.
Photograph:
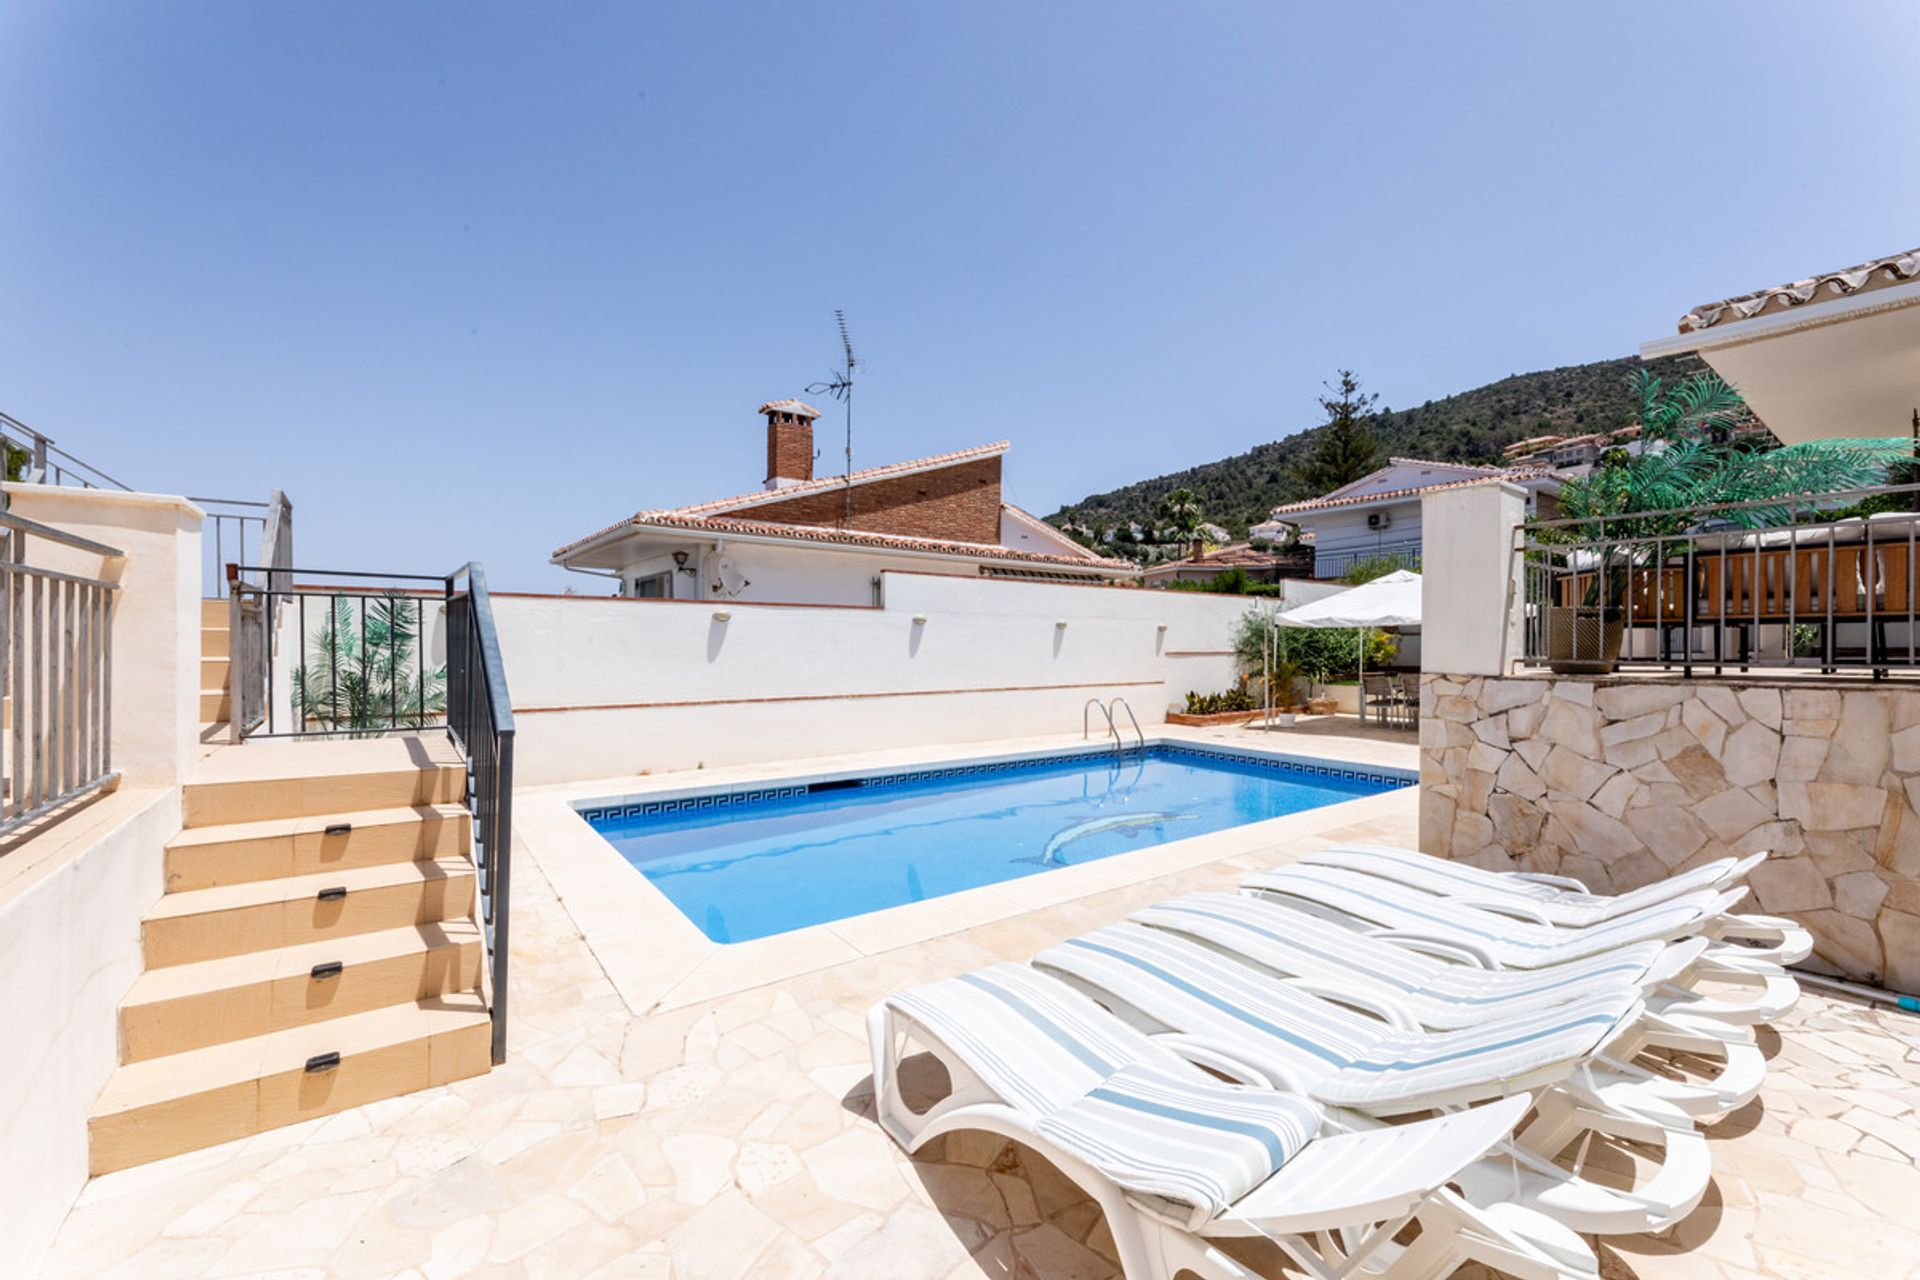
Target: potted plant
1688, 459
1282, 675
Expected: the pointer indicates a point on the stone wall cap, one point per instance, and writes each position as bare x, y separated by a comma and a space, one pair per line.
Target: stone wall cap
108, 497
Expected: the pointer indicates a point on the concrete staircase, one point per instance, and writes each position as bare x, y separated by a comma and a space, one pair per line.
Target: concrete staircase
315, 949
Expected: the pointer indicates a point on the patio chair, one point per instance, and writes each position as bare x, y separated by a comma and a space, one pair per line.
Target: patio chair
1379, 696
1557, 900
1410, 696
1441, 993
1177, 1160
1365, 1070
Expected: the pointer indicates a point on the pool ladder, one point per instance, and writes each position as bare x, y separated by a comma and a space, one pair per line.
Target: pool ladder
1113, 729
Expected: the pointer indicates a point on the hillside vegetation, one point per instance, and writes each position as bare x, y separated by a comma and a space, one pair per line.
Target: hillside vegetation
1473, 426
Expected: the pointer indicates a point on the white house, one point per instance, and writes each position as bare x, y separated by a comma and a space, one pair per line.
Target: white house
1378, 515
806, 540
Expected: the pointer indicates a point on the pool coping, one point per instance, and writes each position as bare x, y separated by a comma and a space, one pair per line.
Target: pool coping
658, 959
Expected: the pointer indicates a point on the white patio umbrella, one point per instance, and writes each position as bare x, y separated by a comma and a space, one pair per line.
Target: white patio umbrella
1389, 601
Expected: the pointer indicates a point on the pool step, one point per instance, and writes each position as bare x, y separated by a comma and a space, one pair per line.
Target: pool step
185, 1101
241, 852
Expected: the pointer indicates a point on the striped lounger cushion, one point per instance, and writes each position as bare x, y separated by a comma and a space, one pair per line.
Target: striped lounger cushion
1339, 1056
1565, 907
1439, 993
1517, 944
1194, 1142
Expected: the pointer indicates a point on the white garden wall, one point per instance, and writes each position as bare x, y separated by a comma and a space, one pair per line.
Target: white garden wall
610, 686
71, 900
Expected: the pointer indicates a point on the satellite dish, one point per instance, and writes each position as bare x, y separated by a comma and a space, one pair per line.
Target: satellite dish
728, 580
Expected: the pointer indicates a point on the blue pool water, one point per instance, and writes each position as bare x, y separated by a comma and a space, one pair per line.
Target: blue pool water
748, 866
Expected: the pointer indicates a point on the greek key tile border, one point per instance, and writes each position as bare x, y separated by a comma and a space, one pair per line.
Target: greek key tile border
723, 800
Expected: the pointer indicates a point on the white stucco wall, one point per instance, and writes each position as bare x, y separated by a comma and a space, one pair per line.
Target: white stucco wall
70, 908
1470, 580
604, 686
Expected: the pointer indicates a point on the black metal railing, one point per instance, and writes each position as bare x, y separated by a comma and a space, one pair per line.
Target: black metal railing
1771, 583
362, 665
346, 657
56, 671
1404, 554
480, 722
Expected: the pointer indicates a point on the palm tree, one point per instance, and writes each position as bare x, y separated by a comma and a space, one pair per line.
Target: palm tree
1180, 517
361, 671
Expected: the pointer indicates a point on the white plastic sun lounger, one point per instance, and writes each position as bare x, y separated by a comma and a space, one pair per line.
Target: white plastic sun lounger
1162, 1147
1167, 983
1561, 901
1496, 936
1452, 992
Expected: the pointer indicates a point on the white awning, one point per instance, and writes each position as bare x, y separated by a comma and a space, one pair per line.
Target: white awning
1391, 601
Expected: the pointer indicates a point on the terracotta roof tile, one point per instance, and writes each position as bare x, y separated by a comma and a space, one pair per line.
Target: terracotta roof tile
845, 537
1358, 499
824, 484
1897, 268
789, 406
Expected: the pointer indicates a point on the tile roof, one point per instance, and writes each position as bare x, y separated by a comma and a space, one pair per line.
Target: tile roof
1877, 273
844, 537
826, 484
1240, 553
1360, 499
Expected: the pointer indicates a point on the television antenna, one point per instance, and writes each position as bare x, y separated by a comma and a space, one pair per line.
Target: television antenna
839, 385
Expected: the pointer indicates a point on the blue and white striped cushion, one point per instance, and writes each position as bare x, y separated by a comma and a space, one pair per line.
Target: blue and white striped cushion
1340, 1056
1034, 1041
1564, 907
1272, 934
1194, 1142
1516, 944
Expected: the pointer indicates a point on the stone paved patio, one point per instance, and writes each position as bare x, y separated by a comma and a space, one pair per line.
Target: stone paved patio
730, 1139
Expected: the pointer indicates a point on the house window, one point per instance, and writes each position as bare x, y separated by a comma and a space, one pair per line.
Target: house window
657, 587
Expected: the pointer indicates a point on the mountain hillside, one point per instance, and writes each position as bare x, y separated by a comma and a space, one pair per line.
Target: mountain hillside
1473, 426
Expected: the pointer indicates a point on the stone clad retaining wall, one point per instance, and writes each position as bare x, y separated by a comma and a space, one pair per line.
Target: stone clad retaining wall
1619, 782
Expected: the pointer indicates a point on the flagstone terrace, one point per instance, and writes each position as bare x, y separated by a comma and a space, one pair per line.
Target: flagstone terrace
731, 1137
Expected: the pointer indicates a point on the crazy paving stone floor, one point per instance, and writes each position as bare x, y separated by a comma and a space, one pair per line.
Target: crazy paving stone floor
731, 1139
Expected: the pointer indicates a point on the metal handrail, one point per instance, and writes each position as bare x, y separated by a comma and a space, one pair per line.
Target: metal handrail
1140, 739
43, 456
1086, 732
56, 670
480, 725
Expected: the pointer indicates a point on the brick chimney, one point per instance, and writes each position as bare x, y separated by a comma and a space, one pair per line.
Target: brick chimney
789, 442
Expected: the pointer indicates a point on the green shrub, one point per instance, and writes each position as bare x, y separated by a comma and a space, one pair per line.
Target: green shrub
1213, 704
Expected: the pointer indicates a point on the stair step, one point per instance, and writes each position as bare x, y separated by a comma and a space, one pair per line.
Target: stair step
192, 1006
237, 853
185, 1101
263, 915
213, 613
215, 642
213, 673
211, 800
214, 707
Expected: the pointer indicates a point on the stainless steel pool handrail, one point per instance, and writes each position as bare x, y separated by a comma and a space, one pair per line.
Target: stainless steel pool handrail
1085, 732
1140, 739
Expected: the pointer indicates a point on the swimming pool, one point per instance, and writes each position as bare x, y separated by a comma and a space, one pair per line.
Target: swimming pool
751, 864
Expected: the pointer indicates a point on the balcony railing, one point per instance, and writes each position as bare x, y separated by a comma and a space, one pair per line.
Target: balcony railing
1404, 554
1770, 584
56, 668
45, 463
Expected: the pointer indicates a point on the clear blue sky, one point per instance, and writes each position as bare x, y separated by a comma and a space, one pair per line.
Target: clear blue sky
469, 280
